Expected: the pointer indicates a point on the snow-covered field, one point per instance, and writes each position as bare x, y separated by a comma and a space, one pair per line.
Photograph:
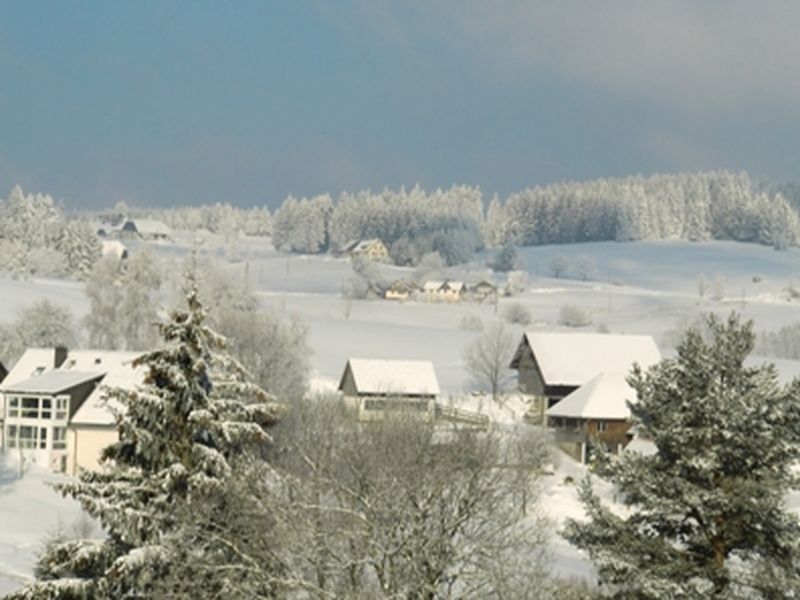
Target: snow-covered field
638, 287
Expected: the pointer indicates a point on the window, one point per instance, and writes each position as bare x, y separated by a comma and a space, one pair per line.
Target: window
27, 436
30, 408
47, 404
11, 436
13, 408
61, 407
42, 438
601, 426
59, 438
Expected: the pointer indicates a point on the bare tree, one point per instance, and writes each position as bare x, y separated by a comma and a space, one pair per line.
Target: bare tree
488, 356
585, 267
558, 265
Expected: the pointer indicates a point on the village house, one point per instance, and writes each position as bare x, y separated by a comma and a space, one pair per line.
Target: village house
444, 291
597, 410
43, 393
374, 387
373, 249
401, 290
550, 366
145, 229
483, 292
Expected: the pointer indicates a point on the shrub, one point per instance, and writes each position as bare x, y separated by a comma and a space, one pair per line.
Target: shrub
517, 313
573, 316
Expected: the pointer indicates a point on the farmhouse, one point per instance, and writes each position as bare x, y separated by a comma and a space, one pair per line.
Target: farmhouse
145, 229
596, 410
374, 387
444, 291
551, 366
401, 290
483, 291
373, 249
43, 393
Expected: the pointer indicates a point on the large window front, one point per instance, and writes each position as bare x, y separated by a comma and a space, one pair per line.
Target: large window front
26, 437
32, 407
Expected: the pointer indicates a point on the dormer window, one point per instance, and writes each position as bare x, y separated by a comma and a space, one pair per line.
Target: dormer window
39, 370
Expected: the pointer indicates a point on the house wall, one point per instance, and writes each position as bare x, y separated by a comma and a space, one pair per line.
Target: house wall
529, 377
375, 408
573, 435
85, 443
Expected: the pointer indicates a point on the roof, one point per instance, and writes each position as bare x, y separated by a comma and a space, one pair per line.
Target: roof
121, 374
432, 286
149, 226
34, 372
407, 377
360, 245
52, 382
572, 359
604, 397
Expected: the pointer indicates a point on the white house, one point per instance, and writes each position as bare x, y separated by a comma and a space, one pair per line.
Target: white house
45, 391
374, 387
444, 291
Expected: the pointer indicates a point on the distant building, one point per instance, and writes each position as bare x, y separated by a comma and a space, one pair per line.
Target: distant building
401, 290
550, 366
444, 291
45, 391
375, 387
145, 229
483, 291
373, 249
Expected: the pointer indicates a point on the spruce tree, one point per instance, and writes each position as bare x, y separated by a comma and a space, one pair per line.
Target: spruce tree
183, 435
706, 515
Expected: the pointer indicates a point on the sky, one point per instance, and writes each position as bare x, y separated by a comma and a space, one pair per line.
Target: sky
159, 103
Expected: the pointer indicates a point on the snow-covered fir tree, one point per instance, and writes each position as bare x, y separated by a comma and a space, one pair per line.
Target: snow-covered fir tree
183, 435
706, 514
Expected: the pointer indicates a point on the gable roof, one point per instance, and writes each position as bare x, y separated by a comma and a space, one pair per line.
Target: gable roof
603, 397
121, 374
572, 359
148, 226
407, 377
52, 382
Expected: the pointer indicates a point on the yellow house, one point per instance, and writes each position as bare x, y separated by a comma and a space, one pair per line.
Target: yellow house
373, 249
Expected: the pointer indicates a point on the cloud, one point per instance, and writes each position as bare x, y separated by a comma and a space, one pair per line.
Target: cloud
700, 56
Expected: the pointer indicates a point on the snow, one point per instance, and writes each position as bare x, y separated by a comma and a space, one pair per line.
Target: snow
640, 288
413, 377
574, 358
51, 382
603, 397
29, 511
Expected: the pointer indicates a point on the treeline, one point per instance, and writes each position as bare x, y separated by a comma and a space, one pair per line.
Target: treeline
36, 238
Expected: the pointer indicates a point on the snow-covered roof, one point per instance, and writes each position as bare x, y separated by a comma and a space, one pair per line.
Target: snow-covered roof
432, 286
35, 372
150, 227
52, 382
455, 285
574, 358
121, 374
604, 397
114, 247
408, 377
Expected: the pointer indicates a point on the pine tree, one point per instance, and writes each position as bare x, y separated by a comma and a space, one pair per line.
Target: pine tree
706, 513
183, 435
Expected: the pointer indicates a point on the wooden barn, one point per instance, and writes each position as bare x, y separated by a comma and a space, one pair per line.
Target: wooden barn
374, 387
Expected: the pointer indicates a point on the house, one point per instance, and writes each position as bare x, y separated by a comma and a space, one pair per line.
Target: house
43, 393
372, 387
145, 229
3, 373
444, 291
483, 291
373, 249
114, 248
550, 366
597, 410
401, 290
104, 229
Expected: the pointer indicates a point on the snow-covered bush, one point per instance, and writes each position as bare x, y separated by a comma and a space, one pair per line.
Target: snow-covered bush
517, 313
574, 316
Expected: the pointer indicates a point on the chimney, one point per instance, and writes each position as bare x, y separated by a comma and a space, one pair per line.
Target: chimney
60, 356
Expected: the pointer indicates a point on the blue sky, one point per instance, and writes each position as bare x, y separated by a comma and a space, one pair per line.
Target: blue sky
162, 103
